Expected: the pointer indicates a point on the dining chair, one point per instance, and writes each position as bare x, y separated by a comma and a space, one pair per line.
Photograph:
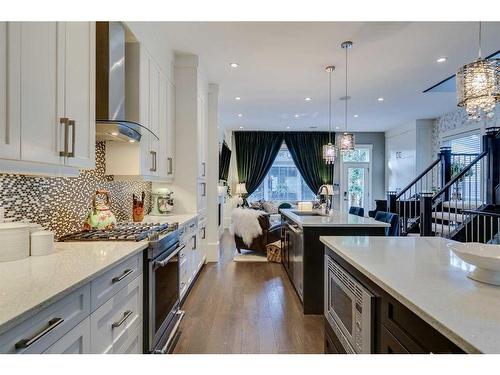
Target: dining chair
390, 218
359, 211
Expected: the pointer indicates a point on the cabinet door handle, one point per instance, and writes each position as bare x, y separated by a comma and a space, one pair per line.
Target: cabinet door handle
194, 243
170, 165
53, 323
153, 161
122, 276
204, 166
204, 191
64, 122
126, 314
73, 136
204, 233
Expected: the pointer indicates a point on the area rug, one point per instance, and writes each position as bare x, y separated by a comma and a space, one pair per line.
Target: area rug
249, 256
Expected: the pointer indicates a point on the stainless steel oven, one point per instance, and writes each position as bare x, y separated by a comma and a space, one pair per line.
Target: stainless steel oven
348, 309
161, 300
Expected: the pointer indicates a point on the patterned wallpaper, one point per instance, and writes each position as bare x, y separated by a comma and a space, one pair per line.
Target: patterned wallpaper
61, 204
456, 120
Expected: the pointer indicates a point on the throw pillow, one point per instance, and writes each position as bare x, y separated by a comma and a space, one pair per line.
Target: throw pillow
270, 207
257, 205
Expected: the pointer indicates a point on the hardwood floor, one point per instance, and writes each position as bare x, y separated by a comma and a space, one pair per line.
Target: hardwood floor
246, 308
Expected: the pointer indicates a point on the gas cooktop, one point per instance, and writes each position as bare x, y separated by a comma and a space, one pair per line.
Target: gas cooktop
122, 232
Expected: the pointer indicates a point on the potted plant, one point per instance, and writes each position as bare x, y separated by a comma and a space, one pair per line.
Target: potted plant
456, 168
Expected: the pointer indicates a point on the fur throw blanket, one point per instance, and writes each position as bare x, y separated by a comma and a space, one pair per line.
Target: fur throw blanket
245, 223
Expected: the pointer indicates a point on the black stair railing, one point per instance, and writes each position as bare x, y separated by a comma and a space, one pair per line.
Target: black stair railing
480, 226
406, 203
462, 192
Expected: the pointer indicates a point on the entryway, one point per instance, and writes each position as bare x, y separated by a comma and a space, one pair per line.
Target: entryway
356, 178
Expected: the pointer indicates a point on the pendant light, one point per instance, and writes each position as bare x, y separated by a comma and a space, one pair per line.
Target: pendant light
329, 150
478, 86
347, 142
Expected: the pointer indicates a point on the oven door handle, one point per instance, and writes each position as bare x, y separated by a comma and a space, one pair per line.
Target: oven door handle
163, 263
172, 334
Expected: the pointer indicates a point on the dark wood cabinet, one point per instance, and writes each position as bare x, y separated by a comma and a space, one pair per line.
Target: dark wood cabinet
397, 329
386, 343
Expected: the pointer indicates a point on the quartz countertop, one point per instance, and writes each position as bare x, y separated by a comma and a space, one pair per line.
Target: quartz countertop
174, 218
335, 219
28, 285
426, 277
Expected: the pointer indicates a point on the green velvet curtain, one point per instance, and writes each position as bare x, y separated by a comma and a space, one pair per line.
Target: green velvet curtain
224, 161
255, 154
306, 149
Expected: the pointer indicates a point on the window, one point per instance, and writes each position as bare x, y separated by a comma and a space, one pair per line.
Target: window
283, 182
464, 148
358, 155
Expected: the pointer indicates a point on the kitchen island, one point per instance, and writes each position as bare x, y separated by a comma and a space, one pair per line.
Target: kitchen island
423, 300
303, 253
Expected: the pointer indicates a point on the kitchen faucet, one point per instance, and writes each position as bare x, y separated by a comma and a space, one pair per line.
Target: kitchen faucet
324, 199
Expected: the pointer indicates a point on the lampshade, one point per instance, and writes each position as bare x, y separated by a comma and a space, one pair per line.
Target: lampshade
330, 190
478, 88
329, 153
241, 189
347, 142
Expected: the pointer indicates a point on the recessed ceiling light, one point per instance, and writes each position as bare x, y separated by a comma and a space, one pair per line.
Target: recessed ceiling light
441, 59
380, 99
337, 127
237, 98
131, 140
234, 65
296, 115
356, 116
240, 115
308, 99
288, 127
313, 127
241, 127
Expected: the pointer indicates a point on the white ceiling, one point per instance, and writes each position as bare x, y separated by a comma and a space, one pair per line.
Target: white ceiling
281, 63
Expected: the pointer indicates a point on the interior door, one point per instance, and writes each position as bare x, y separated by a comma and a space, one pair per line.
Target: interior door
356, 185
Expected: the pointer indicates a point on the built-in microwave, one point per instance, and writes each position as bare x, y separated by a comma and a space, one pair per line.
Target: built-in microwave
348, 309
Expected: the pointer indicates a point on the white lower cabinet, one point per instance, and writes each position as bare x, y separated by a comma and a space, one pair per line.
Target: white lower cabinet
117, 319
71, 326
192, 256
76, 341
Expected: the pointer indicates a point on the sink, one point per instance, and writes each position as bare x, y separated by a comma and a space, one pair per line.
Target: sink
305, 213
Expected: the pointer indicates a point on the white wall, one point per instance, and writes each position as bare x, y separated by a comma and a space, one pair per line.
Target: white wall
408, 151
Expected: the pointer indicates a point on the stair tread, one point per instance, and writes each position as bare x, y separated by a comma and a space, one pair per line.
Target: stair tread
448, 216
462, 205
442, 229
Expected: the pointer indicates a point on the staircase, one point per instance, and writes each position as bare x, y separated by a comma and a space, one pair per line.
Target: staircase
457, 196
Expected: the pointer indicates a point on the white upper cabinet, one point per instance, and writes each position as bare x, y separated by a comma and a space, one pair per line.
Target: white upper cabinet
10, 141
49, 98
170, 130
79, 88
42, 92
148, 91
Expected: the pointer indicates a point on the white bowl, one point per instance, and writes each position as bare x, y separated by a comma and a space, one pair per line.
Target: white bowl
485, 257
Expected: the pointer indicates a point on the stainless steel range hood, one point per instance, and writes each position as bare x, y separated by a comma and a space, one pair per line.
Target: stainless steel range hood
111, 124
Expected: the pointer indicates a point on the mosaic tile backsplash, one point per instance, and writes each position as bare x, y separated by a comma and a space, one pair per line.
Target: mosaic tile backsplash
61, 204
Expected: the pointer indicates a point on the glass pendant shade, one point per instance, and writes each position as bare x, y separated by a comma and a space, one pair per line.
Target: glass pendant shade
347, 142
478, 88
329, 153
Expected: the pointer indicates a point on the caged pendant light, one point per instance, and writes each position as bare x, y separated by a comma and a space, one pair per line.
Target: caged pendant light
329, 150
478, 86
347, 142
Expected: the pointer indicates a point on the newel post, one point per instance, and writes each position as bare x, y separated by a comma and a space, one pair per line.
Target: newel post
492, 144
425, 214
391, 201
445, 155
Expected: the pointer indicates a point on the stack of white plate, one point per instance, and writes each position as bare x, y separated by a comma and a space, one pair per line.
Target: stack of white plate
15, 241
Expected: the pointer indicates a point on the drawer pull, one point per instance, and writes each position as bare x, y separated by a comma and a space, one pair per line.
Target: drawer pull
122, 276
53, 323
126, 314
